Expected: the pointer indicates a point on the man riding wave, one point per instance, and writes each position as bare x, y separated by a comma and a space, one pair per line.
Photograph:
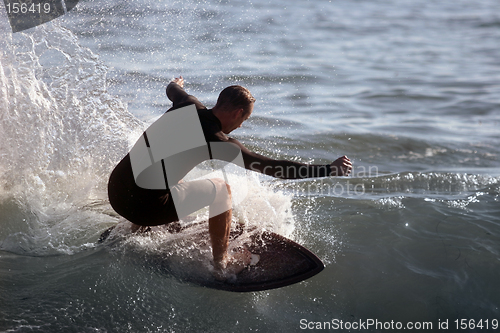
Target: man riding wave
152, 207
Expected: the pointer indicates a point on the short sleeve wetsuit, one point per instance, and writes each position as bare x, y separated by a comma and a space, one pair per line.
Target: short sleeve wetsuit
154, 207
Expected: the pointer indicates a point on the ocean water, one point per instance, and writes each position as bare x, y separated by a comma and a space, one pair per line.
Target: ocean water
410, 91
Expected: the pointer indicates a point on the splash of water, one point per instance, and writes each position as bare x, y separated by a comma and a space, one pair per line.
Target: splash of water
60, 135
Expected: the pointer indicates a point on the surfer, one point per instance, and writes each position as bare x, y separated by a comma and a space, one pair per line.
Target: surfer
151, 207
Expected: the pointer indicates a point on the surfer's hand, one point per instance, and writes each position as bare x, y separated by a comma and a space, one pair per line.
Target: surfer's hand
179, 80
342, 166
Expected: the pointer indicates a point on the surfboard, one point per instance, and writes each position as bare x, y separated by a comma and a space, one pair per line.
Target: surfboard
282, 261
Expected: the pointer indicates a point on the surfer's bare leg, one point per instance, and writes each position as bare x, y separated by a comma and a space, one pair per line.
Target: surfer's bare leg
219, 226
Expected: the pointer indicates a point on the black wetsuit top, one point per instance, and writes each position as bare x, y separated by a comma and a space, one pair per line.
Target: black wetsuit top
137, 204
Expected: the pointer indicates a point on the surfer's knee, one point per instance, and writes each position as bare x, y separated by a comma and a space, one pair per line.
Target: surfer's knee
222, 193
221, 187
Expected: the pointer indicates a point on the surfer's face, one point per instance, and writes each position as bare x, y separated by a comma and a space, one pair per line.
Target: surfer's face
240, 117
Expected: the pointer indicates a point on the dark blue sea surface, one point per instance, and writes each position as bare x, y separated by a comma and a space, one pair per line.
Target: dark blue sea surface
409, 90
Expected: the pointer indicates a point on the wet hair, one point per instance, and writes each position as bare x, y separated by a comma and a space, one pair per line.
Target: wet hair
235, 97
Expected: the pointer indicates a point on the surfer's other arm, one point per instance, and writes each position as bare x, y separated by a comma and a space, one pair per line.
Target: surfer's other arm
173, 93
179, 97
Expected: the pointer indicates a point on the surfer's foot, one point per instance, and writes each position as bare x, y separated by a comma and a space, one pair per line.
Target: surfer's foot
140, 229
234, 263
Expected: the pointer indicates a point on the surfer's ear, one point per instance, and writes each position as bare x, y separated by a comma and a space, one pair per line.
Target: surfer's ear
236, 113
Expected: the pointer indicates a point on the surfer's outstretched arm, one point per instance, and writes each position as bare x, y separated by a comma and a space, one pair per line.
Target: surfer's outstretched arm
285, 169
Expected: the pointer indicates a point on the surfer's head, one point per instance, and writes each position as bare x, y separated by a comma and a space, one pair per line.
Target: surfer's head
234, 106
235, 97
